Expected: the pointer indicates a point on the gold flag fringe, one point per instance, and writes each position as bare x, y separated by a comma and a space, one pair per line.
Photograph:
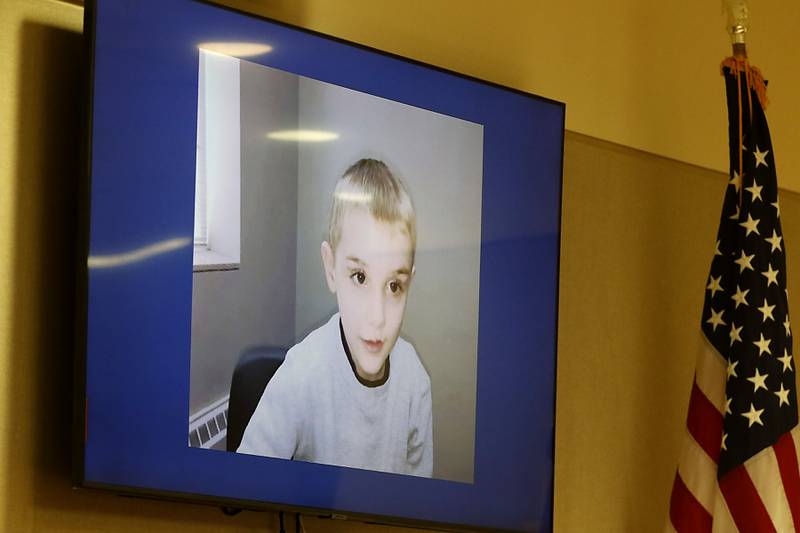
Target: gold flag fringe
755, 82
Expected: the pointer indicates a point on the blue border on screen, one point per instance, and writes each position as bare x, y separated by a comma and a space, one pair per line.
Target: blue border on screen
139, 315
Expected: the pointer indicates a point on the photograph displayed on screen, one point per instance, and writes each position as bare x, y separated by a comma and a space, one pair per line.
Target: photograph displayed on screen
336, 275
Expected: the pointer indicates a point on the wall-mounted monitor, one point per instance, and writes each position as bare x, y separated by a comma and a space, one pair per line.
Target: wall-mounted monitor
319, 277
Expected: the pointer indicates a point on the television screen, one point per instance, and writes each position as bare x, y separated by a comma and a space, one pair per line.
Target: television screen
319, 277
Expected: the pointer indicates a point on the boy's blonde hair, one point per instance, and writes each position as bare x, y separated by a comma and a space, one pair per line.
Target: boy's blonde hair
369, 183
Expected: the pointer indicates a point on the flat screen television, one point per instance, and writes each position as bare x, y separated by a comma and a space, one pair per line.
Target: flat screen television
318, 277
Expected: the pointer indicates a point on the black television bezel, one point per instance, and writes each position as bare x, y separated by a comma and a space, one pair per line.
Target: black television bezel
232, 505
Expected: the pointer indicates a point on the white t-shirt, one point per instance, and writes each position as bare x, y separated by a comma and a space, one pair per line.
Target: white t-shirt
316, 409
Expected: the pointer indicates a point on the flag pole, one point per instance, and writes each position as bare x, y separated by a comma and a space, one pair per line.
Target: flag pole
737, 25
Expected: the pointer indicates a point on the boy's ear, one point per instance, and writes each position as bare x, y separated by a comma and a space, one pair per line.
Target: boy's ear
328, 264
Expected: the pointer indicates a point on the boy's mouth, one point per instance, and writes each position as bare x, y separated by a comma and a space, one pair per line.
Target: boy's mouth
373, 346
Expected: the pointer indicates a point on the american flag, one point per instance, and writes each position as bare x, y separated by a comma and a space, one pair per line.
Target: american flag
739, 468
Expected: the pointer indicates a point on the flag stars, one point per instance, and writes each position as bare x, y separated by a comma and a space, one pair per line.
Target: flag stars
761, 157
753, 416
732, 370
734, 248
766, 311
736, 181
775, 241
751, 225
744, 262
758, 381
786, 360
740, 297
771, 275
714, 286
755, 191
783, 396
763, 345
716, 319
734, 334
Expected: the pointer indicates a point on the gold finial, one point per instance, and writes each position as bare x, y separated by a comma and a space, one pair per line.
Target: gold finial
738, 20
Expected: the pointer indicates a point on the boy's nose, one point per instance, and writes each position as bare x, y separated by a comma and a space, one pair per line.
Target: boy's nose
376, 310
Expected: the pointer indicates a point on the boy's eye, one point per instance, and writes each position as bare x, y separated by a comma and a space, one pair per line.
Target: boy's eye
396, 287
359, 277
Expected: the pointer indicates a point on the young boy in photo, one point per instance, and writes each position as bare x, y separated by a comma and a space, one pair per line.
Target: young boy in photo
353, 393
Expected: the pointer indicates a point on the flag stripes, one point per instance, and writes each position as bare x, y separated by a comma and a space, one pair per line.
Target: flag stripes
744, 503
709, 374
685, 512
787, 456
764, 471
696, 497
704, 423
699, 473
723, 521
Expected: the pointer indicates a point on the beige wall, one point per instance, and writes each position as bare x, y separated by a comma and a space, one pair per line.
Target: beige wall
637, 232
644, 74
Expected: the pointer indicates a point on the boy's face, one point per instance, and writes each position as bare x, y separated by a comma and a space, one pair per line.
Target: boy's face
370, 272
